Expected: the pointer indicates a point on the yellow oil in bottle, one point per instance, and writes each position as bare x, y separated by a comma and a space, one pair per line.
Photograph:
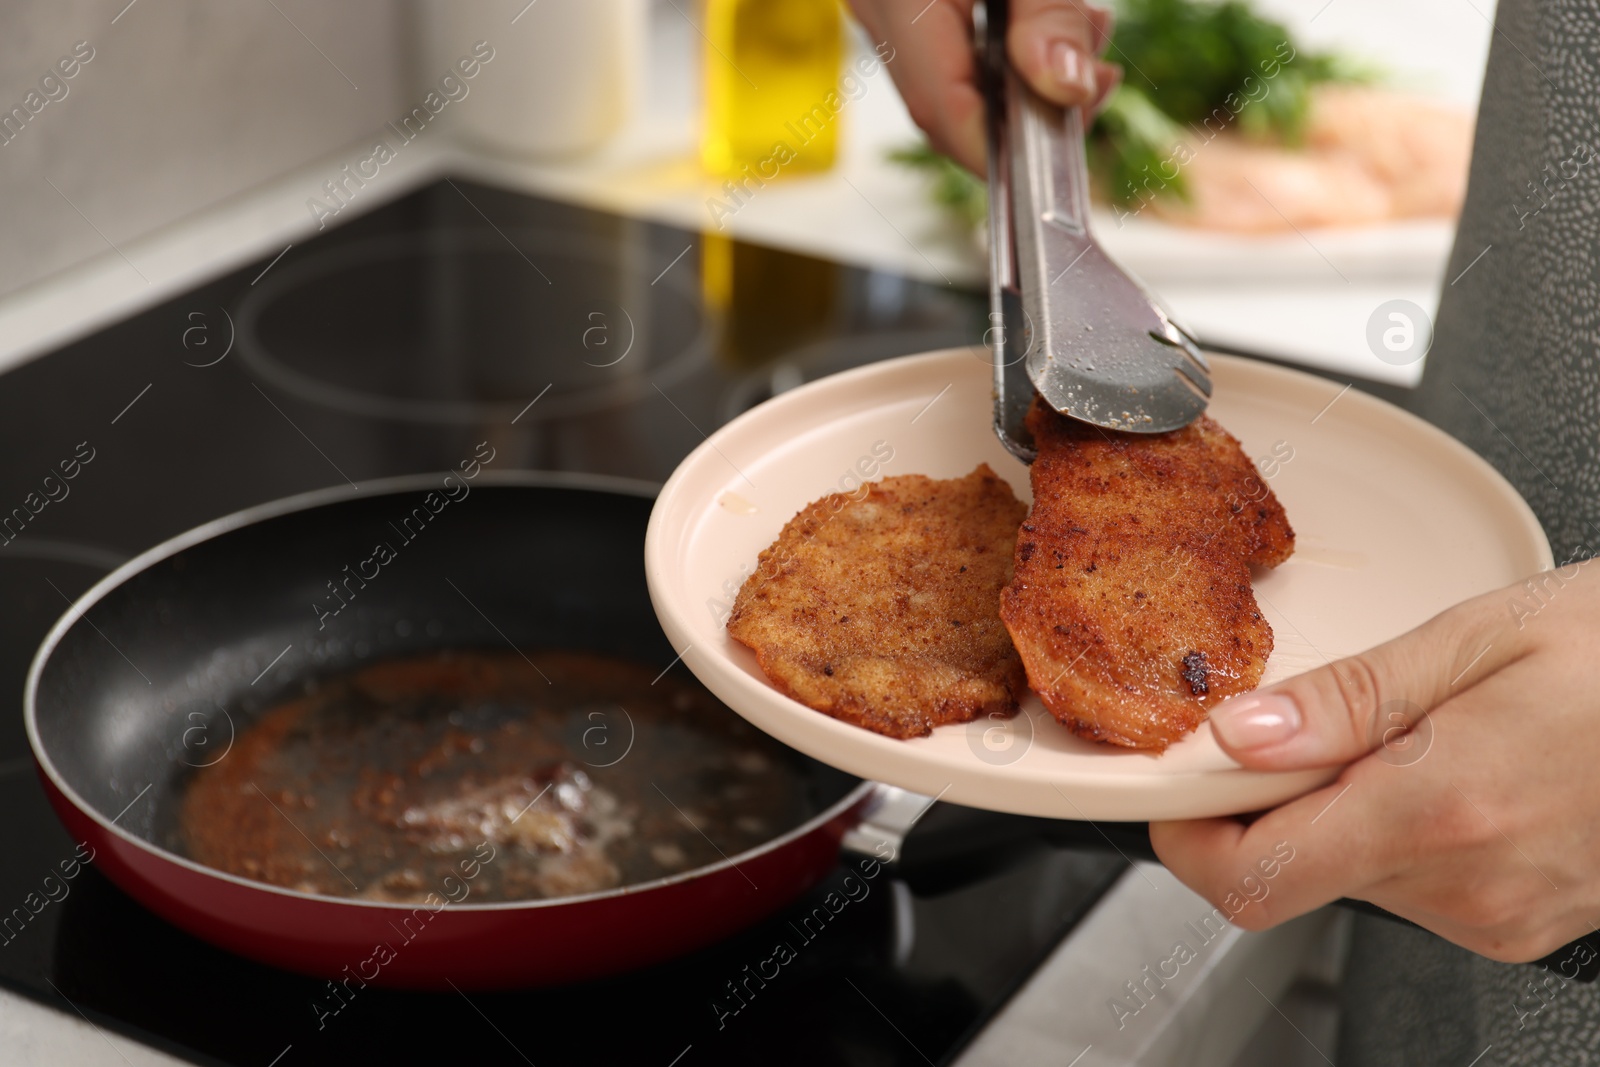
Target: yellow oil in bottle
771, 79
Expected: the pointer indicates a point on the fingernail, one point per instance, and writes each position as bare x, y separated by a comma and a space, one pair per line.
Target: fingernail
1073, 69
1256, 720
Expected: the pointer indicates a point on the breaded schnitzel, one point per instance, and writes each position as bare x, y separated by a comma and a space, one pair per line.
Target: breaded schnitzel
1131, 605
881, 607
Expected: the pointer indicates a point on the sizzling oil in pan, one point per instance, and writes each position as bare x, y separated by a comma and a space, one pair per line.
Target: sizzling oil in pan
576, 774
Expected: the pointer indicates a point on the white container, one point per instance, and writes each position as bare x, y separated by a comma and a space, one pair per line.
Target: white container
561, 79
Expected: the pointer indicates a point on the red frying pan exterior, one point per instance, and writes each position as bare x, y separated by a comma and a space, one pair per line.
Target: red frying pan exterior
571, 540
484, 946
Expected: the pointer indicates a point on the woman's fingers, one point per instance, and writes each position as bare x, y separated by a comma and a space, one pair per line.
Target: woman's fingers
1054, 44
1445, 835
1107, 76
934, 68
1291, 861
1339, 713
1479, 829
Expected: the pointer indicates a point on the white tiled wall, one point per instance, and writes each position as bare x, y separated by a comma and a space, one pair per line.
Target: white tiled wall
184, 103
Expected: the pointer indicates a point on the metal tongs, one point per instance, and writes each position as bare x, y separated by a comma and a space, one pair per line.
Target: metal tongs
1065, 319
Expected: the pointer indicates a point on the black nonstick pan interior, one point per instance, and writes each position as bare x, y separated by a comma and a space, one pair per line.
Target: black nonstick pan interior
182, 654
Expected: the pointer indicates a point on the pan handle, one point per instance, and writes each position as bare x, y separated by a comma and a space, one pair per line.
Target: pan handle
887, 817
958, 845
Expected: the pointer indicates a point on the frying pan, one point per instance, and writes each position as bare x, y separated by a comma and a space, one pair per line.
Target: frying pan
145, 677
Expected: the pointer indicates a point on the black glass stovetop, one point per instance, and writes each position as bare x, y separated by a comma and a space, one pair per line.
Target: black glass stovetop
572, 340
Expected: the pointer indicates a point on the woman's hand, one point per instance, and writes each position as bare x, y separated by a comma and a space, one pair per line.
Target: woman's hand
1054, 45
1480, 823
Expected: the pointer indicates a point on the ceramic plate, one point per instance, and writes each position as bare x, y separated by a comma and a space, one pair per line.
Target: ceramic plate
1395, 521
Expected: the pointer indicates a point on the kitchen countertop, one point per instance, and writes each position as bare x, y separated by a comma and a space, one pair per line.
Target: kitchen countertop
35, 1036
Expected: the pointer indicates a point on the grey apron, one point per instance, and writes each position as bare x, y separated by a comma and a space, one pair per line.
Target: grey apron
1515, 373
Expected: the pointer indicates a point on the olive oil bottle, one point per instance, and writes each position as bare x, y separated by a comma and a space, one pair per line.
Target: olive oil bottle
771, 81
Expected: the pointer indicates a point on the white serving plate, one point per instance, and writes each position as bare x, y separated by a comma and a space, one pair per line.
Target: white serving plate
1395, 521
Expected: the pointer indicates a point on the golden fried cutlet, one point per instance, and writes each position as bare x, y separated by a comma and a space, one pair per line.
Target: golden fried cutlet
1131, 605
881, 608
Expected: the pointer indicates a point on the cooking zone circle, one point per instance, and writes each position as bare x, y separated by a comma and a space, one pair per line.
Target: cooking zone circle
465, 327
